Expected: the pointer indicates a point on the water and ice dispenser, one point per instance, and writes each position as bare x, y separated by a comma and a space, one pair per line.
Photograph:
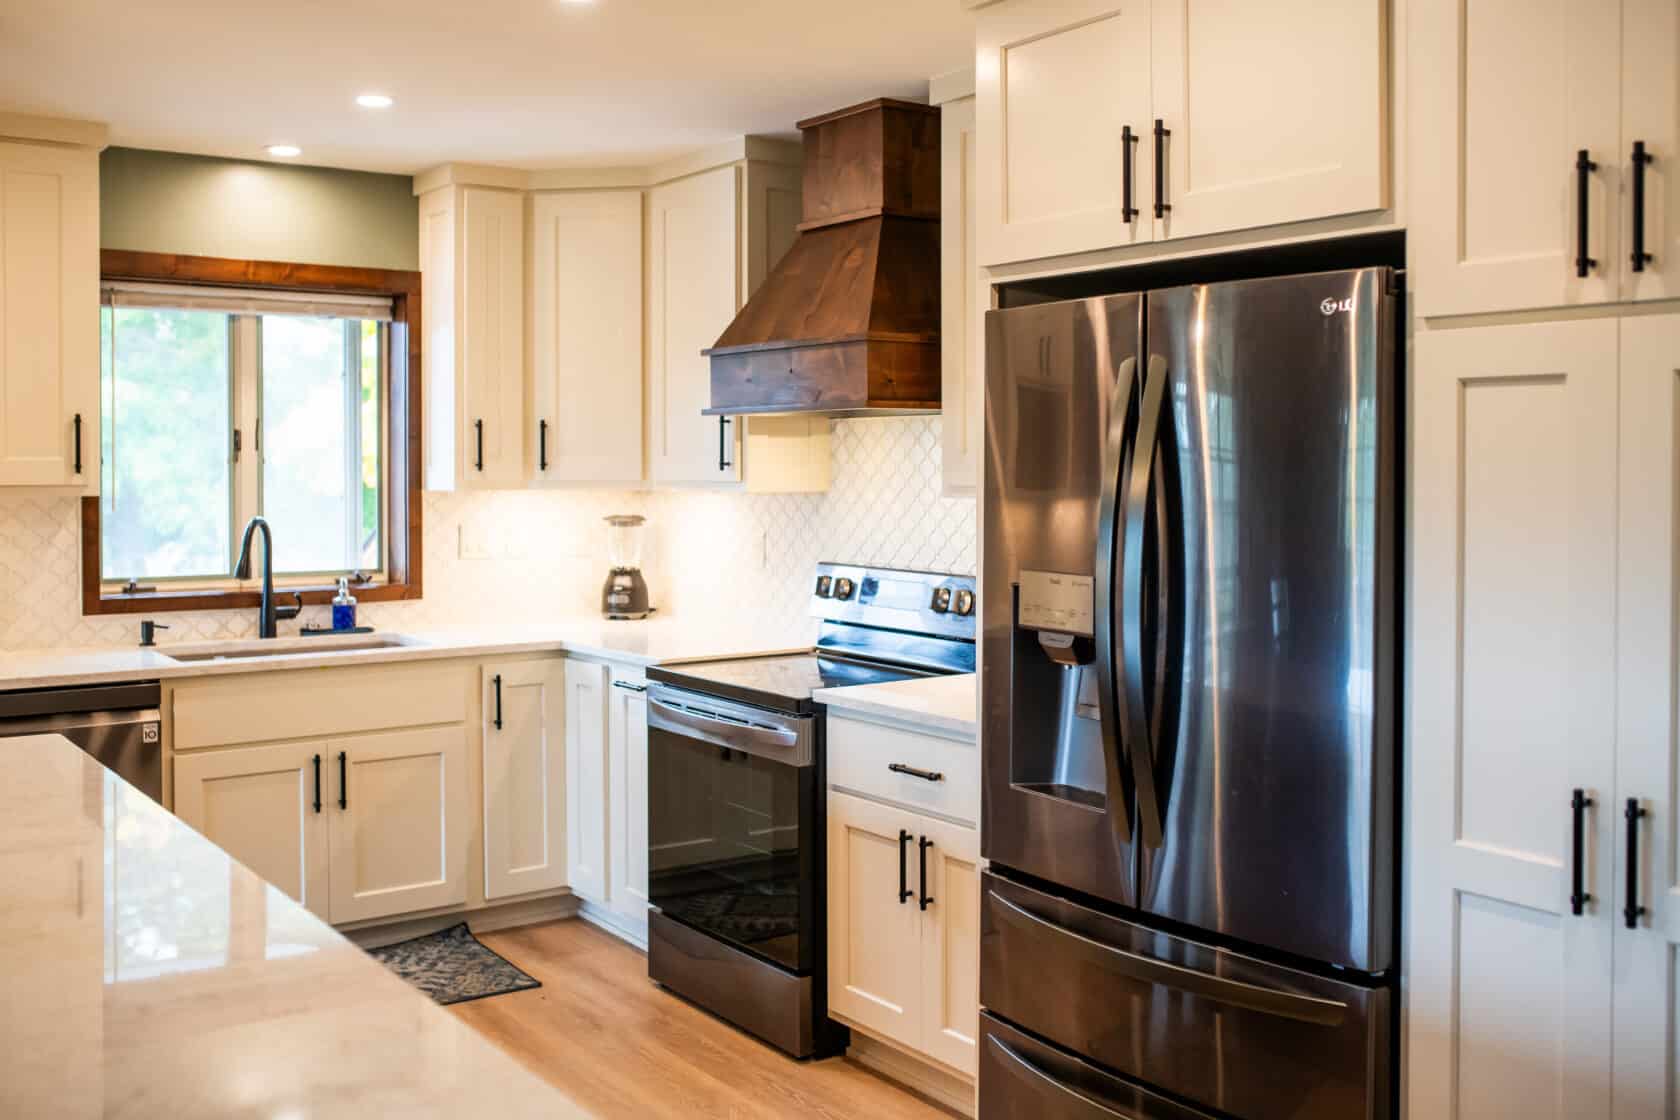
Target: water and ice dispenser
1056, 739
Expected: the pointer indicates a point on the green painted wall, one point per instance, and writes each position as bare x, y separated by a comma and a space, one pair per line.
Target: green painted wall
163, 202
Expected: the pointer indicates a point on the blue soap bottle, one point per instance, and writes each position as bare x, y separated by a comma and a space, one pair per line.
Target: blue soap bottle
344, 606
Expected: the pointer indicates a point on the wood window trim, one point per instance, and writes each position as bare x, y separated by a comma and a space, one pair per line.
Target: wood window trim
402, 415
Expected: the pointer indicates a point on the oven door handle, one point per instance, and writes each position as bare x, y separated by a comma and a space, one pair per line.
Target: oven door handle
790, 745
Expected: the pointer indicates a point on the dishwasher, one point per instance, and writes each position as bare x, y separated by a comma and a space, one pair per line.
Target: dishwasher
120, 725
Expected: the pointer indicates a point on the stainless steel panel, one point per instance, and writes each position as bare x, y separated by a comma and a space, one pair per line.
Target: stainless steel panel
1227, 1031
1268, 769
128, 742
1058, 397
1022, 1078
790, 740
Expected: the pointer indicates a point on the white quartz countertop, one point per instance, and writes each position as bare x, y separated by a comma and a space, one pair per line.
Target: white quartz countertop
949, 704
638, 643
146, 973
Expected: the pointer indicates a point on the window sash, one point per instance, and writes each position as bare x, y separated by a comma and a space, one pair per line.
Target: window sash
245, 301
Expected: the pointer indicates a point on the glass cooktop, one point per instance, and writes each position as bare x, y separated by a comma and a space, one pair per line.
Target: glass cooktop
783, 682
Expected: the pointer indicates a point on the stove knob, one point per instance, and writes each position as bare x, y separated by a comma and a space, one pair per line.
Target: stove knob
965, 601
941, 600
825, 585
842, 588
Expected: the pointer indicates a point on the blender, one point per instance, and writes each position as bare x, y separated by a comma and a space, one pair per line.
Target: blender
625, 594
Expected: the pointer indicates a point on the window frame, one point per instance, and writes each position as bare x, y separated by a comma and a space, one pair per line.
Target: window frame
401, 428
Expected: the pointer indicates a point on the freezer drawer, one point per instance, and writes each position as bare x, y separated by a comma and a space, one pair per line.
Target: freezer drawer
1021, 1078
1228, 1031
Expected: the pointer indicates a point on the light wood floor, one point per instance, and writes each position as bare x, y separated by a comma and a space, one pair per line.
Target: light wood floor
622, 1047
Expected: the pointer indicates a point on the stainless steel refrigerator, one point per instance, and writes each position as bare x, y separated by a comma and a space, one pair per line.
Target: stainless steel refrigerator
1187, 702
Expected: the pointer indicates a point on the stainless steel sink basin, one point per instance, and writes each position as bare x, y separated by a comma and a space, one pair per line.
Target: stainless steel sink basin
251, 650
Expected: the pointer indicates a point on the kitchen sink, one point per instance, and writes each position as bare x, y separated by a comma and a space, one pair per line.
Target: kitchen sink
253, 649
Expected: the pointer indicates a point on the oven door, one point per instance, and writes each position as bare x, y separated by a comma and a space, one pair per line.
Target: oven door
734, 823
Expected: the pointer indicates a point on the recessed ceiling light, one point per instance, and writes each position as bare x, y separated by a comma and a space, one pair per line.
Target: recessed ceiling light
284, 151
373, 101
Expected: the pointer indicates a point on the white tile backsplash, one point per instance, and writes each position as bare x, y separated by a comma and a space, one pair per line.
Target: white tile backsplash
522, 556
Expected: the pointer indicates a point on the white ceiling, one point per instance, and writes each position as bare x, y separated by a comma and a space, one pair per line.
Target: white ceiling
527, 83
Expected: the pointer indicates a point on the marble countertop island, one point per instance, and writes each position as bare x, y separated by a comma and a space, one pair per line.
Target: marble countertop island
147, 974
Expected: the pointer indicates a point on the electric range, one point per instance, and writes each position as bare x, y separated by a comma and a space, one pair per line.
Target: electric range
737, 773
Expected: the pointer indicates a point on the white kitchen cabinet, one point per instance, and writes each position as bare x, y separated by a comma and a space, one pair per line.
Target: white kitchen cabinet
586, 336
1647, 1003
1513, 706
627, 765
961, 309
906, 972
588, 794
1058, 82
49, 316
524, 777
1274, 112
472, 259
269, 808
1651, 116
400, 822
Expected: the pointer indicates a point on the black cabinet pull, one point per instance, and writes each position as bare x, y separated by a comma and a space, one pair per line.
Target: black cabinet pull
478, 460
317, 783
922, 846
343, 780
542, 445
78, 443
1584, 166
1632, 912
1128, 140
1161, 134
904, 891
1579, 803
498, 680
916, 772
1641, 160
724, 462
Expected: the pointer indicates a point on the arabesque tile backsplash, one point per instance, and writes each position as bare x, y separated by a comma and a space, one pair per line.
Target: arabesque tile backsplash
526, 556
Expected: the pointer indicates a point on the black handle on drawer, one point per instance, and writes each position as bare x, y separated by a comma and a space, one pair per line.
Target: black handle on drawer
1128, 140
542, 445
498, 681
1161, 134
1632, 912
904, 891
1584, 166
317, 783
922, 846
1641, 160
915, 772
478, 458
1579, 803
724, 462
343, 780
78, 443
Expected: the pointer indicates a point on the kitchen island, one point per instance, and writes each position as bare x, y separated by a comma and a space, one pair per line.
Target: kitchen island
147, 973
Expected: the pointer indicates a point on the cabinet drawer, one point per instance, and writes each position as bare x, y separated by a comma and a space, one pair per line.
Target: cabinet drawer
269, 706
861, 755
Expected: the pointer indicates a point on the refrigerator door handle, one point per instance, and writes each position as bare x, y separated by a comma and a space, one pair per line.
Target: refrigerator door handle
1116, 768
1151, 970
1049, 1089
1151, 798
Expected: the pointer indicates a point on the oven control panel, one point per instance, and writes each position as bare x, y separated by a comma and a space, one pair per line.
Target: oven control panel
939, 603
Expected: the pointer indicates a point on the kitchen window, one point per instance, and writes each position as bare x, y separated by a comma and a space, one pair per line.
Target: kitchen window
220, 403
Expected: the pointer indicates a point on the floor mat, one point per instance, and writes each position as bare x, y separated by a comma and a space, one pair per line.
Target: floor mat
452, 966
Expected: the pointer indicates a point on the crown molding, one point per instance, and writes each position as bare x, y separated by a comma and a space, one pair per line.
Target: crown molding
54, 130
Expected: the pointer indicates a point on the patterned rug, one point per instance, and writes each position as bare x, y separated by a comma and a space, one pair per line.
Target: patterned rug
452, 966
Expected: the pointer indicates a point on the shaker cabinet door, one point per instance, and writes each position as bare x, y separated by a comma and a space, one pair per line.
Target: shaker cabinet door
588, 795
1512, 709
524, 777
950, 943
492, 338
627, 756
1650, 217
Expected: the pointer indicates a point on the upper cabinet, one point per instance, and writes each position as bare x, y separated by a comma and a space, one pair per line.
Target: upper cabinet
586, 336
961, 310
1105, 123
49, 315
472, 255
1526, 188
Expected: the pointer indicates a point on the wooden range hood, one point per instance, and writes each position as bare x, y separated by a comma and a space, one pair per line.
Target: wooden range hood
847, 323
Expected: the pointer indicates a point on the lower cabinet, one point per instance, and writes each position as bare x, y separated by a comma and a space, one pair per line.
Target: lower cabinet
607, 793
359, 827
904, 928
587, 794
627, 762
524, 777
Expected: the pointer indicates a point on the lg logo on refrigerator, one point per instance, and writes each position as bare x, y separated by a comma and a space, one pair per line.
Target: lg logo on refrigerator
1331, 306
